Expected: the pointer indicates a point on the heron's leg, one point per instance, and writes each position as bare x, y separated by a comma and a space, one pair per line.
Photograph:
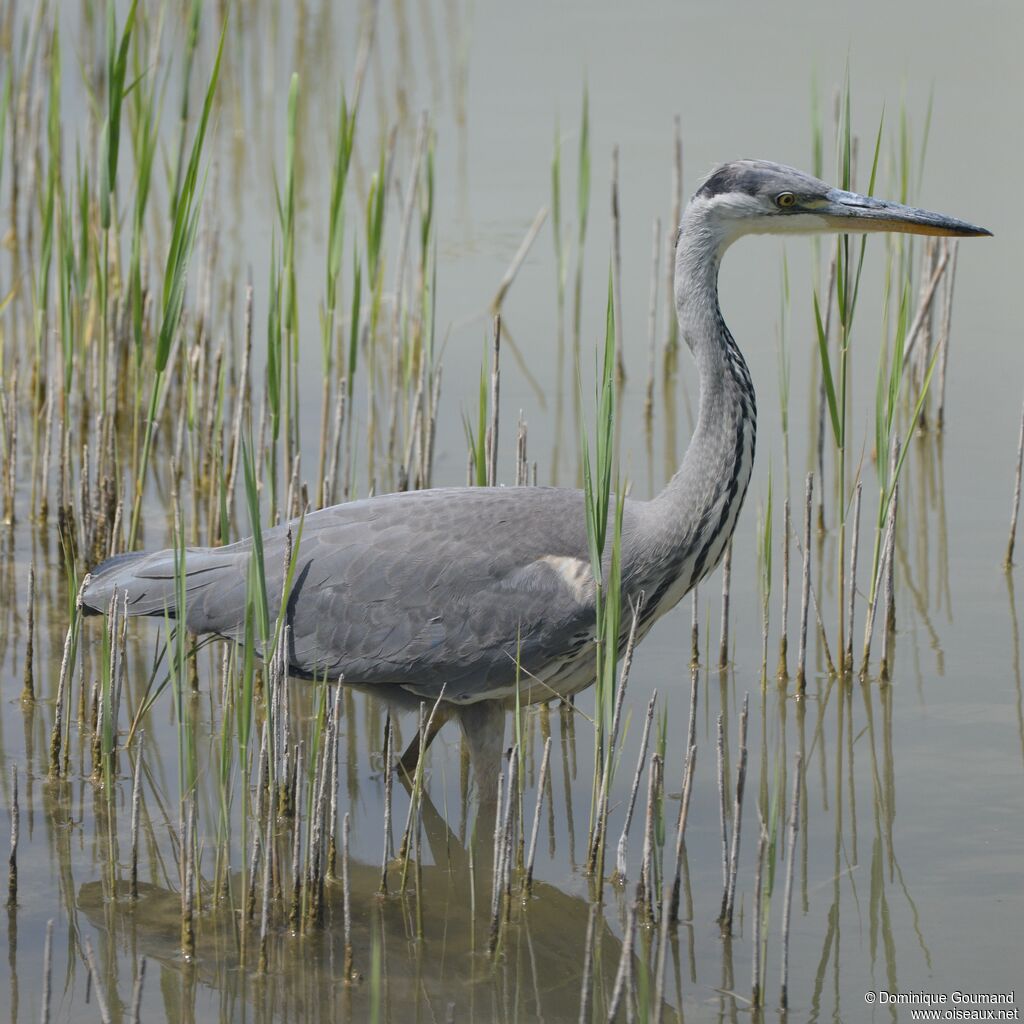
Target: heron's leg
483, 725
483, 729
408, 761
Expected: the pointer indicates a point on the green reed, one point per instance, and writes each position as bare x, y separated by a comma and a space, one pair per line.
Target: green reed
145, 126
476, 434
582, 210
53, 190
191, 43
110, 141
5, 106
849, 267
275, 376
335, 243
603, 507
289, 306
184, 227
375, 209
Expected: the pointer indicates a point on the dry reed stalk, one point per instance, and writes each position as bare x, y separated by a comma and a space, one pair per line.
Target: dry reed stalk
133, 877
826, 650
315, 853
652, 320
723, 815
522, 463
890, 570
517, 261
135, 1008
431, 438
188, 935
694, 631
729, 897
919, 366
262, 799
492, 430
208, 445
121, 663
659, 971
44, 1012
625, 964
601, 824
44, 475
787, 903
348, 974
382, 889
116, 544
947, 316
28, 688
882, 582
510, 830
723, 646
12, 860
294, 503
419, 873
268, 858
331, 843
672, 236
924, 306
1015, 507
96, 724
497, 869
56, 734
648, 881
101, 1002
851, 608
756, 960
620, 857
296, 904
889, 600
782, 669
588, 966
684, 811
405, 847
541, 783
805, 587
12, 463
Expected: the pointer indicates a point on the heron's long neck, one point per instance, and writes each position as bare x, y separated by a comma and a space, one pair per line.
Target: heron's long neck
698, 508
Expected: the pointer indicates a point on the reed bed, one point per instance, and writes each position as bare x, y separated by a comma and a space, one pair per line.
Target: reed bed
147, 394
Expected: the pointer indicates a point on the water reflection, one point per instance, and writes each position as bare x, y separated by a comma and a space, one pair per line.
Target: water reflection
431, 942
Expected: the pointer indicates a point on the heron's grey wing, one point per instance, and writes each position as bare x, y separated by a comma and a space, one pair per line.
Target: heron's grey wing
446, 587
463, 587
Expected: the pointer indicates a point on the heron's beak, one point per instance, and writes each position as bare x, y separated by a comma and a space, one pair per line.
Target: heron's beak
852, 213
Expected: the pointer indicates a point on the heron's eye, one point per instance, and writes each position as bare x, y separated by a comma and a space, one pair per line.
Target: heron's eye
785, 199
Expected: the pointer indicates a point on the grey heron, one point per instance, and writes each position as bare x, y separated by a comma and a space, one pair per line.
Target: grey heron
473, 589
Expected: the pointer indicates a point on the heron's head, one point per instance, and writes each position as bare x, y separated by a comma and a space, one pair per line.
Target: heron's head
760, 197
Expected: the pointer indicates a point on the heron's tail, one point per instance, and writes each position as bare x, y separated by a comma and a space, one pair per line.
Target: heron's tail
145, 579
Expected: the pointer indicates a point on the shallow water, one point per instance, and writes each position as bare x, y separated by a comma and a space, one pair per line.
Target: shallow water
909, 852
